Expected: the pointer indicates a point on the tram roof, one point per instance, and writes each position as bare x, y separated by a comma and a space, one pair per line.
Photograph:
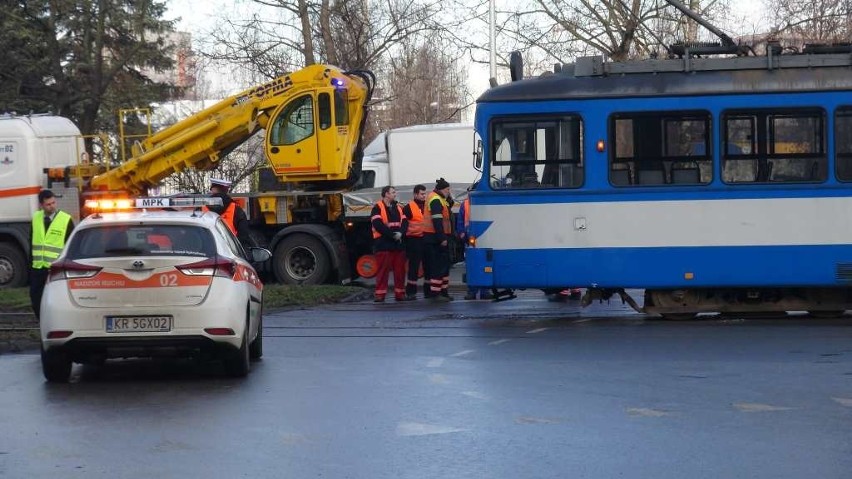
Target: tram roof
592, 77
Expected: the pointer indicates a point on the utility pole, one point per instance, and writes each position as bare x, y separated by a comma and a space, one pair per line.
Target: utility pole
492, 39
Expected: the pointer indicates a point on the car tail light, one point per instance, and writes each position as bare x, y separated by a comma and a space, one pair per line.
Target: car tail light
67, 269
219, 331
59, 334
217, 266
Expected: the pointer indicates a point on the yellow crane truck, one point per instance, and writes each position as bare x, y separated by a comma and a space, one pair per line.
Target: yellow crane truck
313, 120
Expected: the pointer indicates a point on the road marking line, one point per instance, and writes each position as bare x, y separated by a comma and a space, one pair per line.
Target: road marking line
843, 401
435, 363
294, 439
438, 379
757, 407
406, 429
536, 331
583, 320
538, 420
498, 342
646, 412
475, 395
462, 353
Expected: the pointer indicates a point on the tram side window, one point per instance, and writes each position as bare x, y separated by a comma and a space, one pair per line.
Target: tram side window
768, 146
843, 143
537, 153
660, 148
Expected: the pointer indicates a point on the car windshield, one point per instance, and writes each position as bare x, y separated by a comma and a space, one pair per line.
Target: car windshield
142, 240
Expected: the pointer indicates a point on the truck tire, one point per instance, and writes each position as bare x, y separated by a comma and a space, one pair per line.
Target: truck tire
301, 259
13, 266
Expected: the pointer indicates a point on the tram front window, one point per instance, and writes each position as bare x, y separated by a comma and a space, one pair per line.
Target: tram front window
537, 153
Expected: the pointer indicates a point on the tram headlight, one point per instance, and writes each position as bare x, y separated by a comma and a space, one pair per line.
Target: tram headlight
471, 241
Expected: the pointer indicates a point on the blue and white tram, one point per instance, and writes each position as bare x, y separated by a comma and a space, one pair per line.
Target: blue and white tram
714, 184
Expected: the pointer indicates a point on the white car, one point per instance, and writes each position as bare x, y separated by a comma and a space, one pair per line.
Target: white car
146, 283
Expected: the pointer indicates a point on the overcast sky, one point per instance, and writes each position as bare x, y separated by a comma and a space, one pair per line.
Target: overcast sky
196, 20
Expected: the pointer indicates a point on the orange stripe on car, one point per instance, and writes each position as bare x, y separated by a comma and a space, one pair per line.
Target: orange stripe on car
168, 279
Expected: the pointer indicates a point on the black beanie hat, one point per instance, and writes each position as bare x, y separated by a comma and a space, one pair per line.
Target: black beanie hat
441, 183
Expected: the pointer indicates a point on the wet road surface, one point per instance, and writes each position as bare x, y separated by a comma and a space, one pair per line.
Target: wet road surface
524, 388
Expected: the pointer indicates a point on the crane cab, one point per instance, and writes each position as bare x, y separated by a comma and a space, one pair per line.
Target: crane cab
314, 135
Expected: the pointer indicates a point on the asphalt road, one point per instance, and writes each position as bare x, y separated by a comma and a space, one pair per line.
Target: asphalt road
521, 389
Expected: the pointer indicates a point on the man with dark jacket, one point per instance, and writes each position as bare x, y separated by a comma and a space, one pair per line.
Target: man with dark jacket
389, 228
436, 237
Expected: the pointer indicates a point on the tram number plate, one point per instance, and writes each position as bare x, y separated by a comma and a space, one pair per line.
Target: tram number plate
138, 324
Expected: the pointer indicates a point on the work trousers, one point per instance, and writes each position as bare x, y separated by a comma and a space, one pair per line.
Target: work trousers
415, 251
38, 278
438, 265
390, 261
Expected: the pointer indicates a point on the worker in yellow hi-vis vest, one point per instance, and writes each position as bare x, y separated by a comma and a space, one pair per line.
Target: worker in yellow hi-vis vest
50, 231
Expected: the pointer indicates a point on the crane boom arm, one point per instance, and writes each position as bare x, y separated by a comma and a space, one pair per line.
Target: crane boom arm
201, 139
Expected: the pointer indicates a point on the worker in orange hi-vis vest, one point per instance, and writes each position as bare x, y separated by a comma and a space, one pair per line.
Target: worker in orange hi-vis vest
232, 215
389, 227
416, 213
436, 235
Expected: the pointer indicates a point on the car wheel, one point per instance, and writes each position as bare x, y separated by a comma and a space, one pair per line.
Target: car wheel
256, 347
301, 259
237, 362
13, 266
55, 365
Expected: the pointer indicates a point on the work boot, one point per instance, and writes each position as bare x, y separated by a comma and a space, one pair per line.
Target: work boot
411, 296
379, 299
440, 298
446, 294
488, 296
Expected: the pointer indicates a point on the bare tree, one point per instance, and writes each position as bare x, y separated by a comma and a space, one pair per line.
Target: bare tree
796, 22
425, 84
278, 36
283, 35
558, 31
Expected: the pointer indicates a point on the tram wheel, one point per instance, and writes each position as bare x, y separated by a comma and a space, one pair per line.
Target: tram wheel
681, 298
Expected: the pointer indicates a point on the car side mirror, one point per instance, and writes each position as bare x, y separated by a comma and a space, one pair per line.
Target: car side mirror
259, 255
